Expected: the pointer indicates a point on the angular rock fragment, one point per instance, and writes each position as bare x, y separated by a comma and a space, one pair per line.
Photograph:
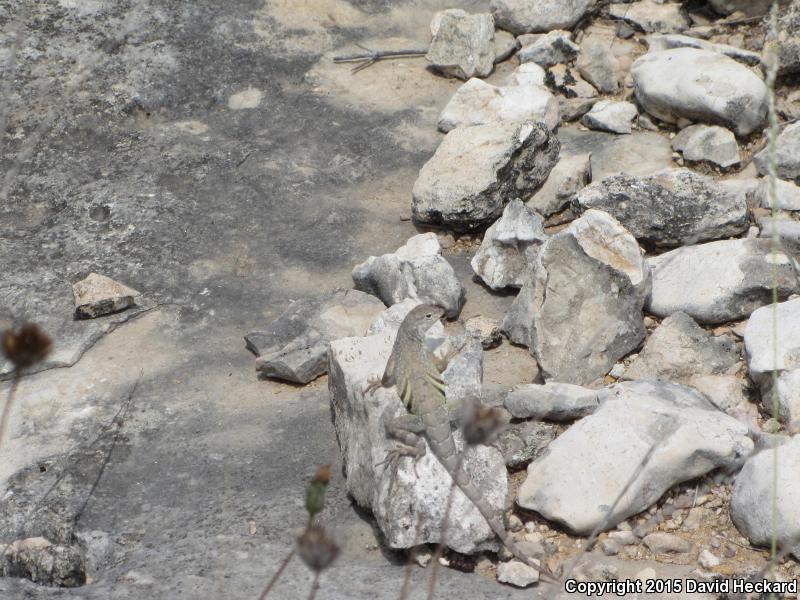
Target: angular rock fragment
702, 86
462, 45
658, 42
517, 573
787, 195
569, 83
719, 281
527, 74
611, 116
549, 49
574, 484
581, 311
598, 65
505, 44
671, 208
294, 346
751, 500
477, 170
520, 443
551, 401
488, 330
679, 348
477, 103
713, 144
787, 155
523, 16
416, 270
509, 247
571, 173
650, 16
98, 295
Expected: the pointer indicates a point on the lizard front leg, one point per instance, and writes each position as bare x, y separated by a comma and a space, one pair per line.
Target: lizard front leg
405, 430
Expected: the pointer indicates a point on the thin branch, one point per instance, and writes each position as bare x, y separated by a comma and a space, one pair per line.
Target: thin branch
9, 403
314, 586
370, 57
443, 542
410, 561
277, 574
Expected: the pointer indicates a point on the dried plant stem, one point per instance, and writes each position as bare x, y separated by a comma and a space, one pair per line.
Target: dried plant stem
284, 563
443, 542
410, 562
370, 57
314, 587
12, 392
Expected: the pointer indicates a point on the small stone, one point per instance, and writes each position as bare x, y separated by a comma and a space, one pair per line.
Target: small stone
487, 329
788, 32
713, 144
521, 443
611, 116
697, 517
598, 65
645, 574
787, 155
517, 573
523, 16
550, 402
570, 174
98, 295
514, 523
667, 543
624, 538
422, 555
505, 44
462, 45
707, 560
787, 195
527, 74
650, 16
550, 49
610, 547
569, 83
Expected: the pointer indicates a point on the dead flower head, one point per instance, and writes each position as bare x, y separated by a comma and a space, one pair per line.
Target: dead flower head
26, 345
315, 494
484, 424
316, 548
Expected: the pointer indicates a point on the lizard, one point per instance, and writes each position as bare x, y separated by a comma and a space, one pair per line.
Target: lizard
414, 370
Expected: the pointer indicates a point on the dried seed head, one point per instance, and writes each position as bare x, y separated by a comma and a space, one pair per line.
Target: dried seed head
316, 548
315, 494
484, 424
26, 345
323, 475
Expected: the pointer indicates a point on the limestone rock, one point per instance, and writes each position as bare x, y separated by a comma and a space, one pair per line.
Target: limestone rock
488, 330
610, 115
462, 45
700, 85
789, 39
650, 16
787, 195
670, 208
97, 295
523, 16
505, 44
761, 345
522, 442
657, 42
571, 173
581, 310
598, 65
787, 155
752, 8
549, 49
718, 281
517, 573
527, 74
788, 388
550, 402
574, 483
477, 170
788, 231
708, 143
509, 247
667, 543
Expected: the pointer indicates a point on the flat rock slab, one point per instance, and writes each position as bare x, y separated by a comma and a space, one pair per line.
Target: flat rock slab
719, 281
671, 208
679, 349
577, 481
710, 143
523, 16
294, 346
702, 86
611, 116
462, 45
751, 501
416, 271
98, 295
581, 311
477, 170
787, 159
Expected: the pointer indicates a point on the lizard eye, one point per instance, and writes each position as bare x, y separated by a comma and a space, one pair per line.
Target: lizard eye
428, 316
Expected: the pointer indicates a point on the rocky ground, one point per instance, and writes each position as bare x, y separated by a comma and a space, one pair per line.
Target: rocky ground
581, 186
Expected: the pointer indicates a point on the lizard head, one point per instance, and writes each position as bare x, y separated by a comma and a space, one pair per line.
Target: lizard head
421, 318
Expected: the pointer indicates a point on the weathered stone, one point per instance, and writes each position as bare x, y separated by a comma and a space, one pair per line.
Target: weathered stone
477, 170
97, 295
700, 85
727, 392
569, 83
766, 352
610, 115
679, 349
708, 143
718, 281
416, 270
667, 543
517, 573
788, 231
574, 483
787, 159
520, 443
550, 402
505, 44
462, 45
509, 247
658, 42
753, 8
522, 16
788, 397
43, 562
571, 173
598, 65
549, 49
708, 560
581, 310
789, 39
527, 74
787, 195
670, 208
408, 498
487, 329
650, 16
477, 102
751, 500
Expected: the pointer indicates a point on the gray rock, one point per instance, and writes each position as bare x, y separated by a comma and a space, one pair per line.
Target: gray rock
610, 547
463, 376
708, 560
549, 49
789, 40
527, 74
399, 493
763, 348
571, 173
658, 42
391, 319
788, 396
624, 538
713, 143
43, 562
477, 102
679, 348
667, 543
718, 281
598, 65
727, 392
522, 16
787, 161
462, 45
97, 295
416, 270
550, 402
520, 443
517, 573
509, 246
581, 310
294, 346
505, 44
477, 170
751, 500
670, 208
487, 329
753, 8
572, 109
584, 470
787, 195
788, 231
700, 85
569, 83
610, 115
650, 16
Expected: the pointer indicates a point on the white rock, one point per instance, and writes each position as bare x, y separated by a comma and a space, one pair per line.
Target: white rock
610, 115
718, 281
509, 246
700, 85
710, 143
523, 16
505, 44
517, 573
97, 295
549, 49
527, 74
787, 195
650, 16
751, 500
787, 154
658, 42
707, 560
550, 402
762, 346
477, 102
571, 173
462, 45
788, 231
580, 476
788, 398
